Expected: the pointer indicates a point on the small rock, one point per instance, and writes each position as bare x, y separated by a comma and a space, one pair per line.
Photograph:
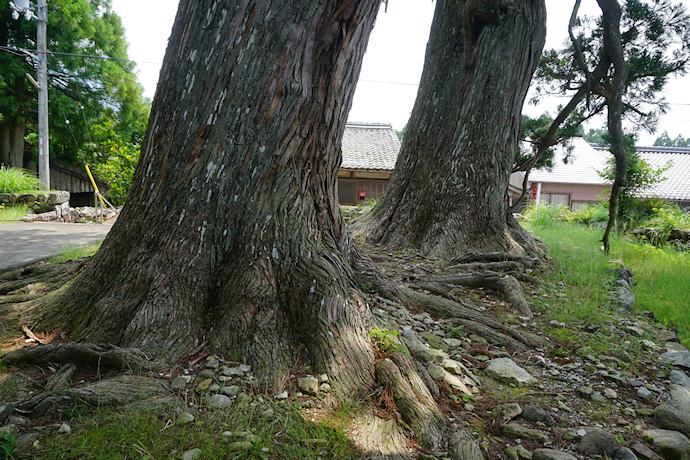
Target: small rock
230, 390
204, 385
505, 370
625, 454
65, 428
178, 384
309, 385
537, 414
219, 401
679, 377
431, 355
585, 390
268, 413
463, 446
610, 393
672, 444
245, 368
515, 430
325, 387
212, 363
283, 395
214, 388
673, 416
506, 412
598, 397
517, 452
436, 372
191, 454
323, 378
207, 374
644, 393
551, 454
599, 443
185, 418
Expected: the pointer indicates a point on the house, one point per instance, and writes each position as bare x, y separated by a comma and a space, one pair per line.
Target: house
370, 151
577, 182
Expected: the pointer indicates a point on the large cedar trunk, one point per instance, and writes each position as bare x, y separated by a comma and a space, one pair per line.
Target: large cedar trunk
231, 232
12, 133
448, 193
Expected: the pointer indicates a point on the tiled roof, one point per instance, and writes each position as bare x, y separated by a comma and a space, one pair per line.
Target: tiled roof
370, 146
582, 167
677, 183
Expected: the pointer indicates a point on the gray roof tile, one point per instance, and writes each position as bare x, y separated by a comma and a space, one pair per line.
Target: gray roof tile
370, 146
677, 183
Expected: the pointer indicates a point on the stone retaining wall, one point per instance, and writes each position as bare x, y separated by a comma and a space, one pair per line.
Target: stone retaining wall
38, 202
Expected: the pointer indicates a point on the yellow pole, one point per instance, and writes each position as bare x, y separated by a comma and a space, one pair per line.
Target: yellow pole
93, 182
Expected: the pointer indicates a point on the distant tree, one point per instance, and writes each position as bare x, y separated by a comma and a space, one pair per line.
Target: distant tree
401, 133
597, 136
665, 141
85, 88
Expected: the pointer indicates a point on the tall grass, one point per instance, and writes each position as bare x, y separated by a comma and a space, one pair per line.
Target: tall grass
662, 274
12, 213
17, 180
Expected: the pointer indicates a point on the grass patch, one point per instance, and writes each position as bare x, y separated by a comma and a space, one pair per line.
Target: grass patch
17, 180
583, 272
75, 252
113, 434
12, 213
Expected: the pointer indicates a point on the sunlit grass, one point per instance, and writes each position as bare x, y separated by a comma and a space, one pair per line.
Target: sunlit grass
75, 252
12, 213
662, 275
17, 180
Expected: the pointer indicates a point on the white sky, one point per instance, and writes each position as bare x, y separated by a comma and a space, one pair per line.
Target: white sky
393, 62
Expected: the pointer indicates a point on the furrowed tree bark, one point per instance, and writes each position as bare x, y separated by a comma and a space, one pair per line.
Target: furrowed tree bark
448, 193
231, 232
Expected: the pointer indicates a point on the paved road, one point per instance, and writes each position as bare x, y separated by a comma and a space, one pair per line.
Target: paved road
25, 242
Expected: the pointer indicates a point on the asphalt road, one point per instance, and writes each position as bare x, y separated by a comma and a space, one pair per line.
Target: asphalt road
25, 242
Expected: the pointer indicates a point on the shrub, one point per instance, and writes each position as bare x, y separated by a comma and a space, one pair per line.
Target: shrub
596, 212
16, 180
543, 214
668, 217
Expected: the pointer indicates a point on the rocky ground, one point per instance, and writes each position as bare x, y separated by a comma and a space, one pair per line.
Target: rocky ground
626, 398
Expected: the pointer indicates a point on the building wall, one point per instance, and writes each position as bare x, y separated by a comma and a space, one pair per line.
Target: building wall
572, 195
349, 190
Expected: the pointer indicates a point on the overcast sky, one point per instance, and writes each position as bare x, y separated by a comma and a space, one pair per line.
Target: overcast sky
393, 62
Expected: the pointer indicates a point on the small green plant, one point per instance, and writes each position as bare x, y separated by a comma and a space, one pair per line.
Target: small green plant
75, 252
388, 341
17, 180
369, 204
7, 443
596, 212
541, 214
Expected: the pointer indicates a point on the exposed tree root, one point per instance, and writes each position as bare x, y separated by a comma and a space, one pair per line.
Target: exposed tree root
493, 257
120, 390
90, 354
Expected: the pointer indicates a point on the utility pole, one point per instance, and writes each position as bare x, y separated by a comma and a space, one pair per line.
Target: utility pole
24, 7
43, 144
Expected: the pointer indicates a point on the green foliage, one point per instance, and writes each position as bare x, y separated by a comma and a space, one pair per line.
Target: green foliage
655, 35
534, 130
119, 160
75, 252
598, 136
401, 133
12, 213
665, 141
388, 341
7, 443
16, 180
595, 212
541, 214
83, 90
641, 177
668, 217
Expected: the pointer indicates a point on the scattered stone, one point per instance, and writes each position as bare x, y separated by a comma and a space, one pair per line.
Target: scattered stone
599, 443
268, 413
598, 397
309, 385
505, 370
585, 390
679, 377
536, 414
436, 372
245, 368
212, 362
431, 355
610, 393
178, 384
644, 393
644, 452
204, 385
191, 454
219, 401
672, 444
214, 388
325, 387
323, 378
625, 454
673, 416
65, 429
677, 355
515, 430
517, 453
283, 395
551, 454
506, 412
185, 418
207, 374
230, 390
